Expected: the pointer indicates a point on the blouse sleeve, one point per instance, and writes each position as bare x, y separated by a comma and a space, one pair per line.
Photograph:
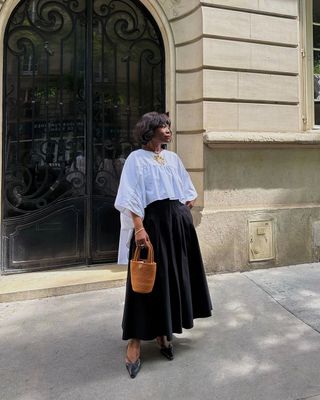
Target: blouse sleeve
190, 192
131, 193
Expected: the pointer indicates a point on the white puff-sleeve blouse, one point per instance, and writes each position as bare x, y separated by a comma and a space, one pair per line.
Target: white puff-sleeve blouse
145, 180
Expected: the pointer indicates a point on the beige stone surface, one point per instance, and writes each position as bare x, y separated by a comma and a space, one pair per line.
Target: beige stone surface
188, 28
189, 117
253, 178
189, 86
284, 7
176, 8
63, 281
220, 116
273, 29
223, 237
250, 86
245, 4
190, 149
245, 184
220, 84
268, 87
226, 53
224, 116
272, 139
197, 178
268, 117
189, 56
228, 23
243, 25
275, 58
250, 56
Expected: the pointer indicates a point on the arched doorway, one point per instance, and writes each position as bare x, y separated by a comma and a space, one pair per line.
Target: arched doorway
77, 75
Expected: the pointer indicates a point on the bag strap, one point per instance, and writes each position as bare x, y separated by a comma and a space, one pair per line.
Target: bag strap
150, 257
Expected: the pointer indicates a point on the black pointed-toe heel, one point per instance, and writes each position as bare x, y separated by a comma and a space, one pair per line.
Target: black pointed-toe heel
167, 352
133, 367
166, 348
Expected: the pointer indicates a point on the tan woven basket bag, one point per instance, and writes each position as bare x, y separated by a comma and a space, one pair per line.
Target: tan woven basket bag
143, 272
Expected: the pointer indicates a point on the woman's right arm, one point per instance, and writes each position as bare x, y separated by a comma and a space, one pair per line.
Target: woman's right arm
141, 236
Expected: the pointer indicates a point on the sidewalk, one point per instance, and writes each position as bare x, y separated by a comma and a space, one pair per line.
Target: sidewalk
57, 282
263, 343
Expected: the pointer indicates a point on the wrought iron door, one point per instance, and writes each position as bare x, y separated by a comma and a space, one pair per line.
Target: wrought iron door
78, 74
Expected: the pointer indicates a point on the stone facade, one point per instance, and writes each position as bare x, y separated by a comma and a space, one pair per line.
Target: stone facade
239, 95
242, 129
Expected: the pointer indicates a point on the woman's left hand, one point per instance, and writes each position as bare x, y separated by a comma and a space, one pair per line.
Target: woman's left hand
190, 203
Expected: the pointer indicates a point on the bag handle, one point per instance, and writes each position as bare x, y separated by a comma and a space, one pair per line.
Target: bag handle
150, 256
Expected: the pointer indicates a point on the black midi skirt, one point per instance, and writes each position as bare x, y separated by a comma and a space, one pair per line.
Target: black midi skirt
180, 293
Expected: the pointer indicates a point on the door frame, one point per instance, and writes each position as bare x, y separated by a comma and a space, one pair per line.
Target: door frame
165, 29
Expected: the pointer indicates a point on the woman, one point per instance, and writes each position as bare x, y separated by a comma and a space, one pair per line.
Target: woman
157, 193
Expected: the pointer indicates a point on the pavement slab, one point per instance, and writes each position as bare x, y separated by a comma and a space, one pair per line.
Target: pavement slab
252, 348
296, 288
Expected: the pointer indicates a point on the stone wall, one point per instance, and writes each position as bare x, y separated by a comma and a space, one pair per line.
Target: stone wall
234, 87
261, 187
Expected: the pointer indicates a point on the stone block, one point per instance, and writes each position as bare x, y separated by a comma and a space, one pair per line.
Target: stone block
189, 86
274, 29
219, 116
282, 7
243, 25
268, 87
188, 28
249, 56
228, 23
249, 86
176, 8
190, 149
261, 178
189, 117
189, 56
197, 180
268, 117
223, 237
220, 84
244, 4
274, 58
226, 53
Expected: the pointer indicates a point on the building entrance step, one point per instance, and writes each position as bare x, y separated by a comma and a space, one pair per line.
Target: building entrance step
58, 282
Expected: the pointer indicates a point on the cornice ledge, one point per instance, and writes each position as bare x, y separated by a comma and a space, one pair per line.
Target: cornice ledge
262, 139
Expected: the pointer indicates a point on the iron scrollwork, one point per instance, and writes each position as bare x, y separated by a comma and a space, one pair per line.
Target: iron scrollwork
47, 128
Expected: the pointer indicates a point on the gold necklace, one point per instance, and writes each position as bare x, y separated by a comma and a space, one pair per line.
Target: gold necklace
158, 157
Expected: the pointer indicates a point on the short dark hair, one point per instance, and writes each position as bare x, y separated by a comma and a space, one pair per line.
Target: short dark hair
148, 123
